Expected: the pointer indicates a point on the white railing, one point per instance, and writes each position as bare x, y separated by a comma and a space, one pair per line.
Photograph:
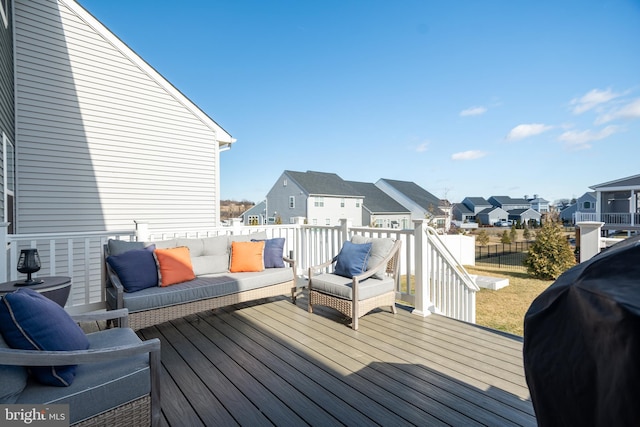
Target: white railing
617, 218
431, 278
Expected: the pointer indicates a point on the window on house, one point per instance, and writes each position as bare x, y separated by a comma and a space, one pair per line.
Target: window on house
314, 221
4, 12
285, 182
357, 203
318, 202
586, 205
327, 221
342, 203
292, 202
9, 168
254, 220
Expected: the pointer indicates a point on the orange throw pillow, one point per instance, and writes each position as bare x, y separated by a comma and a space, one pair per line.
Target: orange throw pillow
247, 256
174, 265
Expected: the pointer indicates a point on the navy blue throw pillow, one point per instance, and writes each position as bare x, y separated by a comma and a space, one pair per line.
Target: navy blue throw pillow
352, 259
30, 321
136, 269
273, 250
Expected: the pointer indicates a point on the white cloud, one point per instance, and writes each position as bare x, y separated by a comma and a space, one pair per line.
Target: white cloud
422, 147
468, 155
629, 111
473, 111
580, 140
527, 130
592, 99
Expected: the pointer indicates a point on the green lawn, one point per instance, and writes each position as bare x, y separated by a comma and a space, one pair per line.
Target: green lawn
504, 309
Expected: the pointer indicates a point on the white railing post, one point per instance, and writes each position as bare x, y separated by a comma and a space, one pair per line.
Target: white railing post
345, 226
589, 239
423, 304
142, 231
4, 244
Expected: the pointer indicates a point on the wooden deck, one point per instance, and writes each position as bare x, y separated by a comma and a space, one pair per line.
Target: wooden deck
272, 363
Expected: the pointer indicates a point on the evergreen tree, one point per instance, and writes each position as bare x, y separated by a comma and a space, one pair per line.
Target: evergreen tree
482, 238
505, 237
513, 234
550, 255
526, 233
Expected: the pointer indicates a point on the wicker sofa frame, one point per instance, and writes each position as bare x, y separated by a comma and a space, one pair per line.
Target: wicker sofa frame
142, 411
355, 308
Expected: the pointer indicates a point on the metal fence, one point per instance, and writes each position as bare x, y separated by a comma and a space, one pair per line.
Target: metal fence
508, 256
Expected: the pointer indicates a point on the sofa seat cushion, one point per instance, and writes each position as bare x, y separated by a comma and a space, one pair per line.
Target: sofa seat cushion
202, 287
341, 287
98, 387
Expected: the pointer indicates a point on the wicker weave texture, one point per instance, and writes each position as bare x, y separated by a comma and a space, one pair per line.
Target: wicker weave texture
133, 414
143, 319
344, 306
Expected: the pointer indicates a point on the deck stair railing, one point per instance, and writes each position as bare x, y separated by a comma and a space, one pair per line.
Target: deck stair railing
431, 278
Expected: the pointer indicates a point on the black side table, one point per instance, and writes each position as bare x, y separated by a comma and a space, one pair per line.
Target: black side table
56, 288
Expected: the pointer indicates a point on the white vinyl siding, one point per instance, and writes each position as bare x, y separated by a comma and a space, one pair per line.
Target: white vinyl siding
101, 142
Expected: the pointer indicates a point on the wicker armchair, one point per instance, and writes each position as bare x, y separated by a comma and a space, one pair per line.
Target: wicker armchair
355, 297
118, 356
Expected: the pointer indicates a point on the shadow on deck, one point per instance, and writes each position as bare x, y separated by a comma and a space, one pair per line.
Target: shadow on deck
272, 363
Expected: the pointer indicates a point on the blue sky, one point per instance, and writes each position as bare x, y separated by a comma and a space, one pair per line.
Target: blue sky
465, 98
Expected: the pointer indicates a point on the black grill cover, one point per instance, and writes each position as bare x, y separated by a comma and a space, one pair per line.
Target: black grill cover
582, 343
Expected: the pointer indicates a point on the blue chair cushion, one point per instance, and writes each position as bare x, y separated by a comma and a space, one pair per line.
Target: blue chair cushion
14, 379
30, 321
136, 269
273, 250
352, 259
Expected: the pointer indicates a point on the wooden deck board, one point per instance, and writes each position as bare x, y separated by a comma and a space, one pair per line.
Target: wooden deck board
273, 363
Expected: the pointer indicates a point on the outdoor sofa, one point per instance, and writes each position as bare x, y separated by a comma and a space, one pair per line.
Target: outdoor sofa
169, 279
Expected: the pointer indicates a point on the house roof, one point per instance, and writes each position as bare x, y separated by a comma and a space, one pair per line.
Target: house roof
322, 184
538, 200
222, 136
489, 210
478, 201
631, 181
418, 195
462, 208
376, 200
507, 200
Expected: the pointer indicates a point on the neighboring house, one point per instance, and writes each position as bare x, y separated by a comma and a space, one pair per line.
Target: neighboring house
539, 204
98, 138
507, 203
322, 198
525, 216
490, 216
586, 204
476, 204
379, 209
460, 212
256, 215
617, 205
418, 201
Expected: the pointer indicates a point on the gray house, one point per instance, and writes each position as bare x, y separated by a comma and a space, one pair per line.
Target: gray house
92, 136
617, 205
421, 203
524, 216
585, 203
256, 215
476, 204
379, 209
490, 216
322, 198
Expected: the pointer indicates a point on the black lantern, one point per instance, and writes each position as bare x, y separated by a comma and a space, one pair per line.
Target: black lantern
28, 263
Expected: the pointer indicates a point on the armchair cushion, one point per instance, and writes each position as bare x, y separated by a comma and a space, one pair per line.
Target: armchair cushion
380, 248
30, 321
342, 287
100, 386
14, 380
273, 251
352, 259
117, 247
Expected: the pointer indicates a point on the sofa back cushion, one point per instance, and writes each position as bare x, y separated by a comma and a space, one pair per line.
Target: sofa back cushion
214, 258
